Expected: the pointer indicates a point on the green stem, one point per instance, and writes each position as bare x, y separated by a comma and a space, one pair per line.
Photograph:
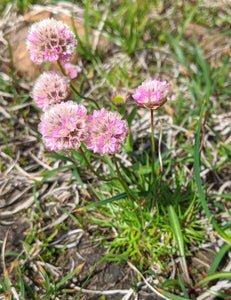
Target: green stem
103, 159
120, 176
75, 90
122, 180
93, 171
153, 149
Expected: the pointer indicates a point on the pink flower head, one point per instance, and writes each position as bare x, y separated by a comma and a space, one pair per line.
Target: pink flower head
152, 94
107, 132
50, 88
70, 70
50, 40
64, 126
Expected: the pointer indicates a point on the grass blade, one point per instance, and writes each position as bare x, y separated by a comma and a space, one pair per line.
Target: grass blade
70, 275
179, 238
188, 20
214, 276
172, 296
218, 258
183, 287
103, 202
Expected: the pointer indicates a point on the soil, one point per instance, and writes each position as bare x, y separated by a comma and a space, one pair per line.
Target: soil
106, 275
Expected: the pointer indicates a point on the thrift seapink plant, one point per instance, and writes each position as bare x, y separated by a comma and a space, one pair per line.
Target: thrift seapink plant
50, 88
51, 40
66, 125
69, 127
63, 126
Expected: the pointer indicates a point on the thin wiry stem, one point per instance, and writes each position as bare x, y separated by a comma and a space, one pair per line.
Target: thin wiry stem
153, 149
122, 180
75, 90
92, 169
120, 176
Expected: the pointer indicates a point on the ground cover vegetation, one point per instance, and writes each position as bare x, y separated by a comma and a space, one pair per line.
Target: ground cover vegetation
131, 198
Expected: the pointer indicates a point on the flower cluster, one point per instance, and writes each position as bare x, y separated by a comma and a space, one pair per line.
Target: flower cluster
107, 132
50, 88
152, 94
64, 126
50, 40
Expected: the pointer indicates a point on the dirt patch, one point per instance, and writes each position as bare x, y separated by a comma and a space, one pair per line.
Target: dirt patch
13, 230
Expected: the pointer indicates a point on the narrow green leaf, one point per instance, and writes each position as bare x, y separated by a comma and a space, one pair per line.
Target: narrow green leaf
214, 276
131, 116
86, 23
2, 285
178, 50
69, 214
183, 287
170, 283
46, 278
36, 199
51, 173
75, 173
225, 248
226, 196
188, 20
69, 276
175, 225
172, 296
11, 254
219, 294
29, 291
59, 156
103, 202
22, 288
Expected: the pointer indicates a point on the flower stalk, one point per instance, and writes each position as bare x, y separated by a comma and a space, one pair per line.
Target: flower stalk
153, 149
92, 169
122, 180
119, 177
75, 90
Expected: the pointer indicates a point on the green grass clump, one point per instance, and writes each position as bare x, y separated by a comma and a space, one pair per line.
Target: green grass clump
143, 234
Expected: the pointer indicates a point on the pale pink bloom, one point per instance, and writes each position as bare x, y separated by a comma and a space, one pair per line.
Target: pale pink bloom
70, 70
107, 132
50, 88
152, 94
63, 126
50, 40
